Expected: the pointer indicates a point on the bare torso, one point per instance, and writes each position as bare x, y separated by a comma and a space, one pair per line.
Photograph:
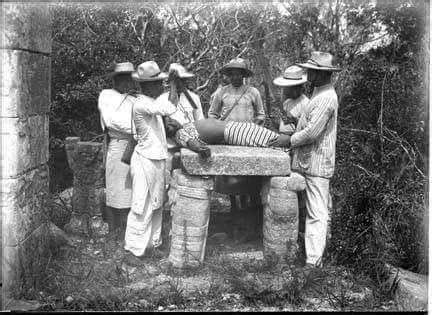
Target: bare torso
210, 130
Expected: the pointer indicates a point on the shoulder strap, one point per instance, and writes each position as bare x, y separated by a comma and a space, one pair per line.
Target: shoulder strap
132, 112
226, 114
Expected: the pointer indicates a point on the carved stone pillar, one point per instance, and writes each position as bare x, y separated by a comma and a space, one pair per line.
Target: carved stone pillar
85, 160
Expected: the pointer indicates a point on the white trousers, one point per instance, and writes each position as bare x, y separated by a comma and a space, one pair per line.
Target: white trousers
316, 223
143, 231
144, 222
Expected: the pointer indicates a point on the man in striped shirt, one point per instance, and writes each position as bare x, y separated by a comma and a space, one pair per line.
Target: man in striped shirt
314, 146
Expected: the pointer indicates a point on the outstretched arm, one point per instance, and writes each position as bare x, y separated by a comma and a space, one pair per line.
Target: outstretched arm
186, 140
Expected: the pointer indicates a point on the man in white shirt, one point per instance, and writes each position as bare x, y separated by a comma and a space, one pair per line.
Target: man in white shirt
144, 222
185, 113
292, 81
115, 107
295, 102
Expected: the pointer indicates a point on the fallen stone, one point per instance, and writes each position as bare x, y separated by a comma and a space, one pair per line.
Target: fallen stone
237, 160
21, 305
411, 291
144, 303
58, 237
256, 255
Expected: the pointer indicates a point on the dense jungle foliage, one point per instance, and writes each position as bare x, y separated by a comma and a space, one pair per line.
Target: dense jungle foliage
379, 189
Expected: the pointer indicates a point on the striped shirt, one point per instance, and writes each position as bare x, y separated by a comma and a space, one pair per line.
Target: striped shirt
248, 108
314, 141
247, 134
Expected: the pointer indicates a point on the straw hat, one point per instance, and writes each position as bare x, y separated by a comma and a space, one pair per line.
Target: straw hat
320, 61
292, 76
238, 63
148, 71
122, 68
181, 71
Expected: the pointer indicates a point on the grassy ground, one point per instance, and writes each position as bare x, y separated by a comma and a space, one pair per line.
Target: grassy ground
91, 276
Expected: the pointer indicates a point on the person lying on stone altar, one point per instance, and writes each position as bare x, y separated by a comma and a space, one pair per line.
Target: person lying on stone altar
198, 134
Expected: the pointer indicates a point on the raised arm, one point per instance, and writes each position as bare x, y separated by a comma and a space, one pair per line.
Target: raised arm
159, 106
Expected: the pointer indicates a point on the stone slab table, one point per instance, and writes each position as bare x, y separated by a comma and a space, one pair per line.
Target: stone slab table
193, 183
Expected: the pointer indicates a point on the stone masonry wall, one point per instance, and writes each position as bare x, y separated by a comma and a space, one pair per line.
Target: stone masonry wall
25, 102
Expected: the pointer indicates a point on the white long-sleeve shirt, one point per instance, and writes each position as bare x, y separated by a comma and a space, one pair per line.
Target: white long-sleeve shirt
295, 107
150, 131
115, 112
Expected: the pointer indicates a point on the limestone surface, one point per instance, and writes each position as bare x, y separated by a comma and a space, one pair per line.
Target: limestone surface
294, 181
411, 291
192, 181
25, 78
237, 160
23, 204
26, 143
26, 26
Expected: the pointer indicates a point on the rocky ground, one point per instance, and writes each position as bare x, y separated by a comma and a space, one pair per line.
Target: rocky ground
89, 274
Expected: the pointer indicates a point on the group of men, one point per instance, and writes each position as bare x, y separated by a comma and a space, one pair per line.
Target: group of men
162, 122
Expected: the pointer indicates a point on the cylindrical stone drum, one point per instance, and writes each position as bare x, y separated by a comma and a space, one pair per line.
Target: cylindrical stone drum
280, 222
190, 217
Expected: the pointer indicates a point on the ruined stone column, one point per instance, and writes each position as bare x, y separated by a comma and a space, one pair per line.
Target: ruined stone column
25, 104
190, 217
280, 224
86, 161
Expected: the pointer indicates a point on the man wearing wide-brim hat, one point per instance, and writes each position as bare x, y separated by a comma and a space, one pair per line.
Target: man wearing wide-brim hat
115, 107
189, 109
295, 102
314, 144
144, 222
242, 103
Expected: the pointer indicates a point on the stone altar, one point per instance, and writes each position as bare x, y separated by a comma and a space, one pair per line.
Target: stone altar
192, 185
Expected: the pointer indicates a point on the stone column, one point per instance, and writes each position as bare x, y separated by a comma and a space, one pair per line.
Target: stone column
88, 198
25, 104
280, 223
190, 217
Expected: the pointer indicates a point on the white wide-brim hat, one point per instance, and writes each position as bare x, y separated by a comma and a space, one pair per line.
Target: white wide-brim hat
148, 71
320, 61
292, 76
122, 68
181, 71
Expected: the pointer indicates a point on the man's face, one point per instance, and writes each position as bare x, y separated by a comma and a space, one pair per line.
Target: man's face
312, 76
123, 82
235, 76
152, 88
292, 91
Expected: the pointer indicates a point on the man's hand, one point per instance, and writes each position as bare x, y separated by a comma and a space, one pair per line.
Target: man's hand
202, 150
280, 141
171, 126
258, 121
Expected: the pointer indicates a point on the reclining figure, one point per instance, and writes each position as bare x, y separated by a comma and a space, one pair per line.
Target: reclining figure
198, 134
